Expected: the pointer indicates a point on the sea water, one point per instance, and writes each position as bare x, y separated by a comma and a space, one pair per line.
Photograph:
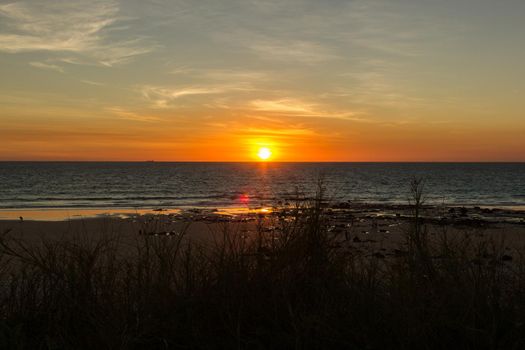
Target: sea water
221, 185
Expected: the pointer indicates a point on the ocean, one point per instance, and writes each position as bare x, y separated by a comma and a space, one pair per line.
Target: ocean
51, 185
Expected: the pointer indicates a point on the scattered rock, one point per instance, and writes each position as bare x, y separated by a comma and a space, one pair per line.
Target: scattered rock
342, 205
158, 233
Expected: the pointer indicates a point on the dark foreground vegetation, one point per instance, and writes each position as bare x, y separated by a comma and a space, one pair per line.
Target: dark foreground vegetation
296, 288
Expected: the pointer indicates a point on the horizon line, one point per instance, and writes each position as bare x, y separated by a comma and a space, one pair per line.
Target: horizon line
261, 162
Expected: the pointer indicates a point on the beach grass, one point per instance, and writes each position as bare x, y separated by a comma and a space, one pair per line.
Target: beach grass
295, 287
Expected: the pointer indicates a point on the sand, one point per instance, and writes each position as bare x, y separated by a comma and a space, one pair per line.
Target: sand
363, 229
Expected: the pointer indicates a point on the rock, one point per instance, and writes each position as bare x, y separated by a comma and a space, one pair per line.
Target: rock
342, 205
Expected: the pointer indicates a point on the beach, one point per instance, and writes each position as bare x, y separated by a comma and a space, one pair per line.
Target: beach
365, 228
315, 273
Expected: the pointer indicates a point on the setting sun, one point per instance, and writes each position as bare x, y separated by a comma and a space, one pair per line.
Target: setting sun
264, 153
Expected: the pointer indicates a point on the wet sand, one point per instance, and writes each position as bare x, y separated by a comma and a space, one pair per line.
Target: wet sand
361, 229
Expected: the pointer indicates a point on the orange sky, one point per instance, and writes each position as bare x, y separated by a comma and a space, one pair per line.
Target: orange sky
354, 81
107, 141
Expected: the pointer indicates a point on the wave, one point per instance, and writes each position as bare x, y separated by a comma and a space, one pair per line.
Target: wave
120, 185
139, 198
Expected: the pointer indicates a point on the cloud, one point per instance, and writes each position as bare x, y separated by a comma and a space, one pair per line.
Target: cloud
128, 115
298, 108
90, 82
233, 75
216, 81
284, 45
275, 128
379, 85
182, 70
73, 27
287, 131
283, 106
163, 97
394, 29
293, 51
47, 66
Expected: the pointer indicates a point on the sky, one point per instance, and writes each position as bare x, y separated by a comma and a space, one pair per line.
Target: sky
192, 80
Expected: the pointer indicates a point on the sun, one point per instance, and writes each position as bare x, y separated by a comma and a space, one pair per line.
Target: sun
264, 153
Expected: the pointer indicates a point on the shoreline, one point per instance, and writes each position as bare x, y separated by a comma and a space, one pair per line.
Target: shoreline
377, 229
364, 229
478, 212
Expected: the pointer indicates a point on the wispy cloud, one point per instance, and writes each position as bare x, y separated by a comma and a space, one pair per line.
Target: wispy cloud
291, 106
378, 85
163, 97
90, 82
280, 47
123, 113
47, 66
80, 27
241, 79
394, 29
298, 108
234, 75
274, 128
182, 70
292, 51
287, 131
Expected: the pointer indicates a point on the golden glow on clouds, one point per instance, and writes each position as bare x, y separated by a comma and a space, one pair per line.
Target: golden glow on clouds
282, 106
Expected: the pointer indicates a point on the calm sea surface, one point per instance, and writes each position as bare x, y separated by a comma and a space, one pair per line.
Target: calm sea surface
174, 185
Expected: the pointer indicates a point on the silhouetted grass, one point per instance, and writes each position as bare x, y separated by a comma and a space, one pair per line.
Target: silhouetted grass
293, 287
